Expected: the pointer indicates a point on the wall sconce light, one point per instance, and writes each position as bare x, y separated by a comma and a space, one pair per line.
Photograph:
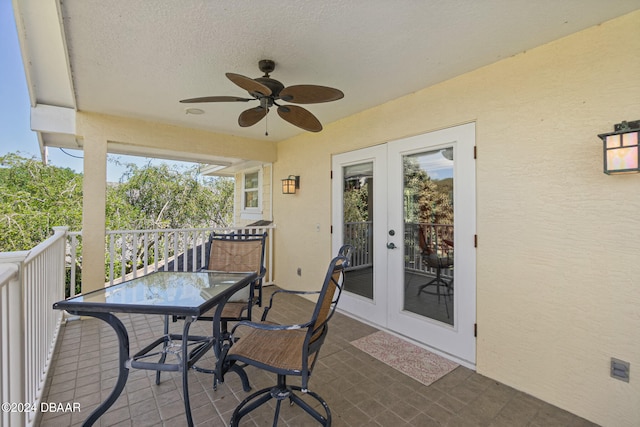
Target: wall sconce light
621, 150
290, 184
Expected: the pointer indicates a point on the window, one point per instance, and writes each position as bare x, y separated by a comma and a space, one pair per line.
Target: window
251, 187
251, 198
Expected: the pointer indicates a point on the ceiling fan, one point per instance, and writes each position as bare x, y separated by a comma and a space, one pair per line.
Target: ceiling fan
269, 92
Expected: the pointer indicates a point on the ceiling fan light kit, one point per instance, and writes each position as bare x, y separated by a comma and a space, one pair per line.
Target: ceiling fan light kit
269, 92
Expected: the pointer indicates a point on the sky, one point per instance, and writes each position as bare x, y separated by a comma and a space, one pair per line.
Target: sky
15, 132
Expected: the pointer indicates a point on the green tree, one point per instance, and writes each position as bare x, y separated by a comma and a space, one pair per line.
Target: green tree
356, 204
427, 200
163, 197
33, 199
156, 197
356, 212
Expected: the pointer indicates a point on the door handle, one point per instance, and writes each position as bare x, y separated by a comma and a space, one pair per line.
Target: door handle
391, 245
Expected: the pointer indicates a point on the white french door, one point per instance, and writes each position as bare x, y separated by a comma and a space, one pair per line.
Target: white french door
408, 208
360, 220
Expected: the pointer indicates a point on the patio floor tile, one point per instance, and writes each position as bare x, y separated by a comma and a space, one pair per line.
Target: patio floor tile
360, 390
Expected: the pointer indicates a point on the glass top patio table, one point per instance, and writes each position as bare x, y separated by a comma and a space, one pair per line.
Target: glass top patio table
175, 293
187, 294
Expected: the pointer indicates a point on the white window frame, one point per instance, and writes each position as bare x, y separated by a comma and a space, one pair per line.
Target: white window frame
251, 213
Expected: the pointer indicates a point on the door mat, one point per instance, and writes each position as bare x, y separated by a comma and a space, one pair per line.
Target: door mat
411, 360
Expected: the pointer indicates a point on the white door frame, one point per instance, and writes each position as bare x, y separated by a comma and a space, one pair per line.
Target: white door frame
457, 341
386, 309
372, 311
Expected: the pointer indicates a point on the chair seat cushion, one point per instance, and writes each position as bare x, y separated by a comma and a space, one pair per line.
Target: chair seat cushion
436, 261
231, 310
279, 349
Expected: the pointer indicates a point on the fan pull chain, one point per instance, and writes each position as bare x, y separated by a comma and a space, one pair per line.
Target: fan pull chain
266, 124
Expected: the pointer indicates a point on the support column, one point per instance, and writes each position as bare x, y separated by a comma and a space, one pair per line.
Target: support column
94, 190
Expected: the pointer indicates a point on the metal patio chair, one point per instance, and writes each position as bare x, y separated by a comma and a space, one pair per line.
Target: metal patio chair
287, 350
238, 253
436, 245
235, 252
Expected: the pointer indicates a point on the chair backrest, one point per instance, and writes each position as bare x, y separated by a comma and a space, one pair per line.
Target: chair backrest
346, 251
327, 300
236, 252
239, 253
436, 239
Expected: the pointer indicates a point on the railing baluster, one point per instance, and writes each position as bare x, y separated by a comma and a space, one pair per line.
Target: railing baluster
166, 249
155, 251
145, 255
177, 238
184, 250
134, 254
72, 272
123, 255
112, 256
203, 248
194, 248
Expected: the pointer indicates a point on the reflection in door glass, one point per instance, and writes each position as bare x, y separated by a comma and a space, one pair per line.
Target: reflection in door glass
428, 218
358, 227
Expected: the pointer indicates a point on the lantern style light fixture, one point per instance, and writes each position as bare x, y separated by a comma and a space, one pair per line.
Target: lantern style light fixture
621, 150
290, 184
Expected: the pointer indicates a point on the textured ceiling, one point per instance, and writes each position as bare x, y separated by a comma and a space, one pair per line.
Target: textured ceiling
139, 58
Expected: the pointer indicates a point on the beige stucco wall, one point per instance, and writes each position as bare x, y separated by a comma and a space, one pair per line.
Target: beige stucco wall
558, 278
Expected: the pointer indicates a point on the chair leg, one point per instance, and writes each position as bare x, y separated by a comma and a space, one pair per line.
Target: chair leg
246, 386
438, 281
325, 421
241, 411
276, 413
280, 392
243, 376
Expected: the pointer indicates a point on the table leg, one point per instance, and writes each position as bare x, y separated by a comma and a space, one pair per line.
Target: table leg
164, 347
185, 368
220, 349
217, 344
123, 373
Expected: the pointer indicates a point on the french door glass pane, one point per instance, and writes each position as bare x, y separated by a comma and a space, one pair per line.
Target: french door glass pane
428, 227
358, 227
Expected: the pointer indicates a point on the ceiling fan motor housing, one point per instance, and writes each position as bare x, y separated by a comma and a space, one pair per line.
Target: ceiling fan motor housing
272, 84
266, 66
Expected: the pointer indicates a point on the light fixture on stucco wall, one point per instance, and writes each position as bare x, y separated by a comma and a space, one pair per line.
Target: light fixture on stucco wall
621, 150
290, 184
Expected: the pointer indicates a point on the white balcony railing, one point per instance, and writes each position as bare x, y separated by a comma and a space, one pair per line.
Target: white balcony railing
414, 259
30, 282
360, 236
135, 253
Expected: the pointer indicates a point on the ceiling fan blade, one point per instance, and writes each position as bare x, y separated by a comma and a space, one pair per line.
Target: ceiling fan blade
216, 99
300, 117
248, 84
310, 94
251, 116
